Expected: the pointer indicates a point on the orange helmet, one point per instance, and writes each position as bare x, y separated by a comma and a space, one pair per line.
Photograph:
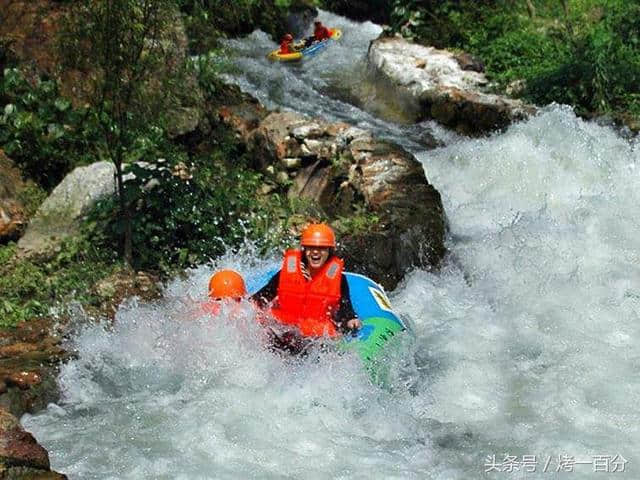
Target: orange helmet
288, 36
227, 284
318, 235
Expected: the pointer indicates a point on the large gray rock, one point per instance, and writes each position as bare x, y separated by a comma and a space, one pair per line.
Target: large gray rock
346, 172
58, 216
430, 83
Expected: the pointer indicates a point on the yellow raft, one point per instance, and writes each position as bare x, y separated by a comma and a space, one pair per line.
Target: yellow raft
307, 52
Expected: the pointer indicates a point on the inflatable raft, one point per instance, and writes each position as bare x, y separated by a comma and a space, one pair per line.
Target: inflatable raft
380, 324
307, 52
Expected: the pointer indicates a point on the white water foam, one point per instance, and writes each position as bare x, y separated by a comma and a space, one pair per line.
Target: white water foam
526, 343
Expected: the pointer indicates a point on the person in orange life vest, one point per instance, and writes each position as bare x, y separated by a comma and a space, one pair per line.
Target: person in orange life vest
286, 46
224, 286
320, 33
310, 292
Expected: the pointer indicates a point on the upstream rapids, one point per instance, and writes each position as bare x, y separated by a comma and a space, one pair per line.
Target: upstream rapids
526, 349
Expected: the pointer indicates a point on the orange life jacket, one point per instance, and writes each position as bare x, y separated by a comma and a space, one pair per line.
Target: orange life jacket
321, 33
309, 305
284, 47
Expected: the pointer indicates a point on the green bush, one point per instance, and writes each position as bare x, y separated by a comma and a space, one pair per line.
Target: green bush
520, 54
601, 71
43, 134
185, 210
444, 24
209, 20
587, 56
31, 288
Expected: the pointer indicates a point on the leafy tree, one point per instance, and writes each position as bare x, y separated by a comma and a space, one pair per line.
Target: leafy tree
129, 52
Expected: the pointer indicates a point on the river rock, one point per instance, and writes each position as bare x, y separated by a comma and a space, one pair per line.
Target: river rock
21, 457
348, 173
13, 216
431, 84
59, 215
29, 358
30, 355
119, 286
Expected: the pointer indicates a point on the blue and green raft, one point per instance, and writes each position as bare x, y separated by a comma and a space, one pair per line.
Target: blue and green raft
380, 324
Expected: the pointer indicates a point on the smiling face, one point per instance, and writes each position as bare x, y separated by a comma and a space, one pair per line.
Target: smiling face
316, 257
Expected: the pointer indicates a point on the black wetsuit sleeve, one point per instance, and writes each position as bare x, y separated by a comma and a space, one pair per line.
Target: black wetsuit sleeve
345, 310
266, 294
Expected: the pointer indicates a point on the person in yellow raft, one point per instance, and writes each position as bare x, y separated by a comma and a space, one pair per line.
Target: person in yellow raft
310, 291
320, 33
286, 45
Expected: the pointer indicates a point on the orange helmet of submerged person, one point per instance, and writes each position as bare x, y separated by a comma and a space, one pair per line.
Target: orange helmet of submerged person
318, 235
227, 284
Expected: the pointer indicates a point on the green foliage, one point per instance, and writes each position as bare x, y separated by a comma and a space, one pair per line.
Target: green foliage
583, 53
31, 197
601, 70
184, 210
440, 23
359, 222
131, 48
40, 130
31, 288
207, 68
207, 21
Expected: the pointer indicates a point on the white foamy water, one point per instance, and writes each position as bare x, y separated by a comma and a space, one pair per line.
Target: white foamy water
526, 344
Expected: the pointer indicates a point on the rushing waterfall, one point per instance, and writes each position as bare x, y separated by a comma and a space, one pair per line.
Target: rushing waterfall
524, 356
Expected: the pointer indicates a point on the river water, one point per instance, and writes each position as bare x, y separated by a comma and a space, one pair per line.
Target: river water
524, 354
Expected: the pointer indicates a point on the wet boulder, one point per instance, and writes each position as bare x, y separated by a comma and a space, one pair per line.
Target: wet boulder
21, 456
356, 180
436, 84
30, 355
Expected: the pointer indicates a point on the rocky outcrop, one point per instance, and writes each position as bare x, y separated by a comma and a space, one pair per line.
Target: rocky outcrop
117, 287
31, 26
29, 356
348, 173
21, 457
58, 216
436, 84
13, 215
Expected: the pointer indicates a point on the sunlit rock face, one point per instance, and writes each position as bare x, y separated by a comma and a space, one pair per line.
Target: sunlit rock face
20, 455
342, 168
29, 356
58, 217
432, 84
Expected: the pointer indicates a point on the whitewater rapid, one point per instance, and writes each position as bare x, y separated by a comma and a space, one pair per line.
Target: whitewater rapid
526, 345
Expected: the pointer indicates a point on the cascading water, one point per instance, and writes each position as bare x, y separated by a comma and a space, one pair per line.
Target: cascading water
524, 344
